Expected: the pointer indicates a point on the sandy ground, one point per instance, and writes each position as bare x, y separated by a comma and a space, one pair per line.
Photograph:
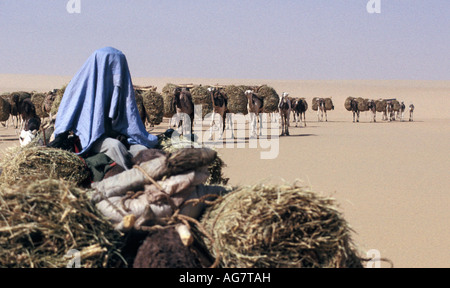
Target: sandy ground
390, 179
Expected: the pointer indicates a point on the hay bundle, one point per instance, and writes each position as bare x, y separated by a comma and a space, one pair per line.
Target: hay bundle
315, 103
42, 221
215, 169
140, 104
153, 103
347, 103
201, 96
38, 100
363, 104
5, 109
42, 162
329, 104
396, 105
20, 95
168, 98
270, 97
57, 101
278, 226
237, 101
304, 103
380, 105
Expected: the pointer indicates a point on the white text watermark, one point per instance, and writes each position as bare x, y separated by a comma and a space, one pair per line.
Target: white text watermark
373, 6
73, 6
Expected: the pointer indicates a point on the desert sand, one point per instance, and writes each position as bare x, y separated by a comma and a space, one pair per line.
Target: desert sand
390, 179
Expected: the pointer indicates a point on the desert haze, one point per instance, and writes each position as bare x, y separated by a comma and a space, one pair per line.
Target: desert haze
390, 179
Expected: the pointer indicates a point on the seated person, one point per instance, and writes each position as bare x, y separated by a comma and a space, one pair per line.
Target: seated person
99, 107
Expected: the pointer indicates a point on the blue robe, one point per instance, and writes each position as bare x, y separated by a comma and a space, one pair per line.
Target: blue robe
100, 99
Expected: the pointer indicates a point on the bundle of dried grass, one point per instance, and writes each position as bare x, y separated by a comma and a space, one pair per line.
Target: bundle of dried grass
140, 104
5, 109
40, 163
58, 98
201, 96
329, 104
38, 100
215, 169
278, 226
315, 103
396, 105
347, 103
271, 98
42, 221
20, 95
237, 101
304, 103
153, 103
363, 104
380, 105
168, 98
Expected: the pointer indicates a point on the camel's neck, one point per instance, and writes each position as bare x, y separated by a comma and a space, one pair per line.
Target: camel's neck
250, 101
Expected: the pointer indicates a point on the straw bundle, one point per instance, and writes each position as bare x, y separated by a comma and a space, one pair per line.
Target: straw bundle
42, 162
5, 109
380, 105
38, 100
42, 221
270, 97
215, 168
315, 103
140, 104
347, 103
329, 104
396, 105
58, 98
304, 103
201, 96
237, 101
22, 95
168, 98
153, 103
363, 104
278, 226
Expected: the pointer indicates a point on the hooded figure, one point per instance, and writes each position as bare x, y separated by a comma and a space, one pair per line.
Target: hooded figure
99, 104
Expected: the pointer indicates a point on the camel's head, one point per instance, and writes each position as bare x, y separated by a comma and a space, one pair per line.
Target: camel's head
249, 92
212, 90
177, 91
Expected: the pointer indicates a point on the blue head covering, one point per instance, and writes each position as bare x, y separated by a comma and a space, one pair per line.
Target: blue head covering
100, 99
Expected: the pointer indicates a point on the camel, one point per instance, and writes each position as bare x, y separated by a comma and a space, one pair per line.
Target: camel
255, 109
299, 107
293, 101
284, 108
390, 113
185, 108
411, 112
27, 111
355, 110
321, 110
373, 108
31, 122
219, 102
401, 111
18, 103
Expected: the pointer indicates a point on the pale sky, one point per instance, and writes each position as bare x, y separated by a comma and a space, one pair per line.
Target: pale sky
265, 39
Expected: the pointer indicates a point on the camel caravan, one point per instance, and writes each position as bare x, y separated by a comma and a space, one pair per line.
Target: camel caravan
32, 112
391, 109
